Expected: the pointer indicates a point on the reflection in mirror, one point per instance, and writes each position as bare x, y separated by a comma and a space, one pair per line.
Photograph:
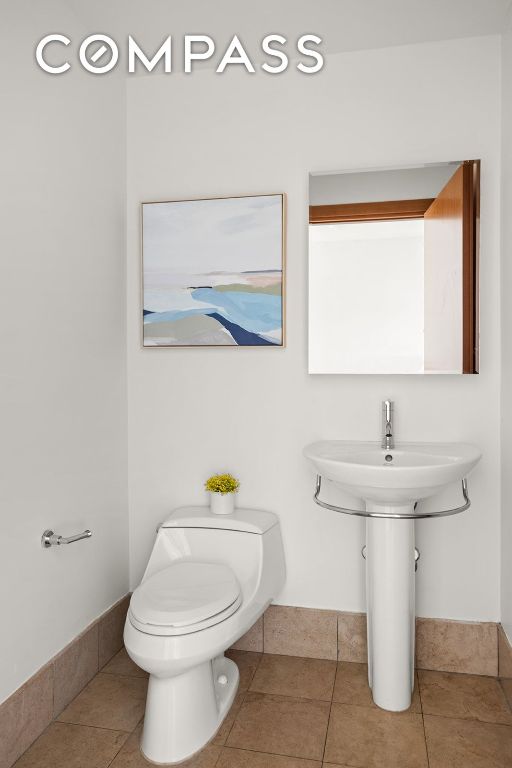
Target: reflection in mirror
393, 270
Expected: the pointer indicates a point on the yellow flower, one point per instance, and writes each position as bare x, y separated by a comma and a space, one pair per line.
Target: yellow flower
222, 484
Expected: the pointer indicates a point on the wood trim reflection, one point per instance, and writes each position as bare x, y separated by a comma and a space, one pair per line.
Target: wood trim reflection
386, 210
470, 265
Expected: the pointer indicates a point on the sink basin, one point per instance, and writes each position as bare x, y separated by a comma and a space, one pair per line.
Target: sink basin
391, 481
399, 476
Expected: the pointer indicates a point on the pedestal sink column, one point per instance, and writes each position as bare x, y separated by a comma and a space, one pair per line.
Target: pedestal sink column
390, 607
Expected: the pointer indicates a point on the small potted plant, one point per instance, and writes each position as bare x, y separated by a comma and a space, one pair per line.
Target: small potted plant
222, 489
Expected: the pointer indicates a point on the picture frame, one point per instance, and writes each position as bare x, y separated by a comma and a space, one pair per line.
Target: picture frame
213, 272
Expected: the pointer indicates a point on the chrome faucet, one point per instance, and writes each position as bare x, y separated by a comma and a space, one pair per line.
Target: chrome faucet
388, 441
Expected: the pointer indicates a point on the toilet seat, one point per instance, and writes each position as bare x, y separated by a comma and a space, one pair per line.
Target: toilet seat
185, 597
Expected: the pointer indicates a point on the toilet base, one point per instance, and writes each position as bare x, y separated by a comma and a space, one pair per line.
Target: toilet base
183, 713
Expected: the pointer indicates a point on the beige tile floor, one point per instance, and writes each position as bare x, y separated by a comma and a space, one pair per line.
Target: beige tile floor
293, 712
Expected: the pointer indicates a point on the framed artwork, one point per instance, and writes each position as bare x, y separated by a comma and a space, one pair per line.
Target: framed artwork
213, 272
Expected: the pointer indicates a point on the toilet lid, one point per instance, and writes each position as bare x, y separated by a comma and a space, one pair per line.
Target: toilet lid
185, 593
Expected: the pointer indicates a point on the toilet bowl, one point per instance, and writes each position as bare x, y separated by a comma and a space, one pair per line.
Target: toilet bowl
208, 579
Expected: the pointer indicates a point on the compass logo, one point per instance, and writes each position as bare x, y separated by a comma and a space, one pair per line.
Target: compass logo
99, 54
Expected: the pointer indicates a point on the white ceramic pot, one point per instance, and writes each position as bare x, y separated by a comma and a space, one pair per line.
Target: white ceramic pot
222, 503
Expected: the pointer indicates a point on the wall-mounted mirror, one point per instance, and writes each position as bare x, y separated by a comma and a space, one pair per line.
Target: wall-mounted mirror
393, 270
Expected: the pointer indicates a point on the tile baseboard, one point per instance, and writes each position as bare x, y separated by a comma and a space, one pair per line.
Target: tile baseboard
504, 654
300, 632
31, 708
442, 645
445, 645
505, 663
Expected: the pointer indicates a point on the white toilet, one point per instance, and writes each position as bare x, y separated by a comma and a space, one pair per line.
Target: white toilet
208, 579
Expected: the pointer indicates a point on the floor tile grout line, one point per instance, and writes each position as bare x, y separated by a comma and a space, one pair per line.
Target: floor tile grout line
411, 712
121, 674
326, 732
297, 656
468, 719
425, 736
337, 639
443, 671
97, 727
373, 708
32, 742
417, 677
454, 672
257, 666
221, 747
118, 751
126, 740
276, 754
502, 688
304, 699
243, 693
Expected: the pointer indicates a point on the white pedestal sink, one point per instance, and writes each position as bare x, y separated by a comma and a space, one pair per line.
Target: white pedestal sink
391, 482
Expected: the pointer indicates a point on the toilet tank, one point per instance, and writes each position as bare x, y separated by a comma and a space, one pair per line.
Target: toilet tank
248, 541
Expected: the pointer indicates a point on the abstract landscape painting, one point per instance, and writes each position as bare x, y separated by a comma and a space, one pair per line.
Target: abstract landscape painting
213, 272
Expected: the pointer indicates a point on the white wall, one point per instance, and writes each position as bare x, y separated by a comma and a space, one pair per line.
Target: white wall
444, 249
373, 186
365, 297
252, 411
62, 336
506, 288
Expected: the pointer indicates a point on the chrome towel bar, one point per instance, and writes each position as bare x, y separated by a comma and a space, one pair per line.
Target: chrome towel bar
51, 539
398, 515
